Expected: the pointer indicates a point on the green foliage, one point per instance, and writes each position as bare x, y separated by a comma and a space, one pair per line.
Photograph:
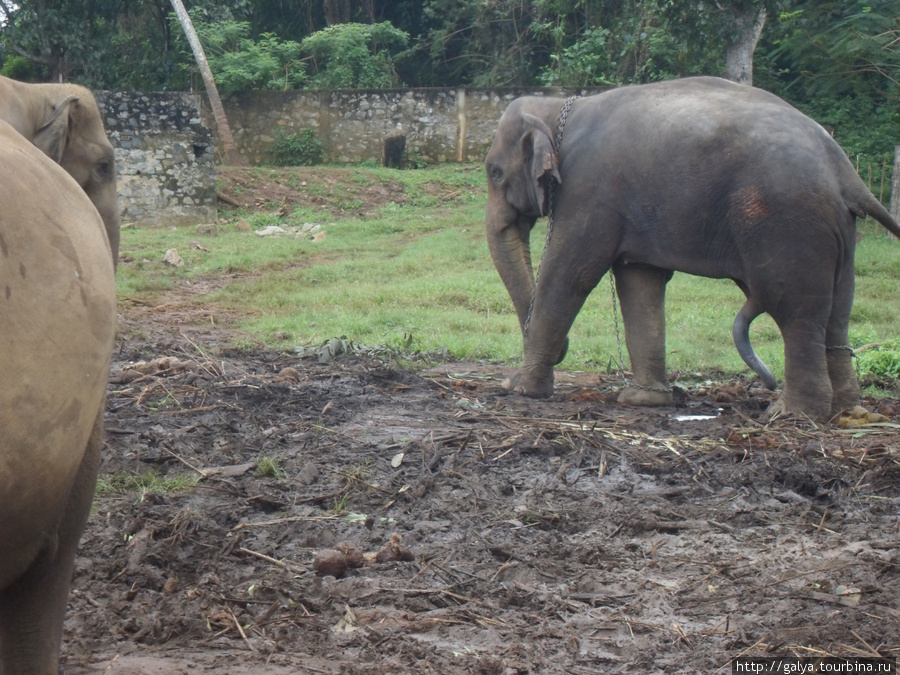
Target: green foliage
63, 38
240, 63
269, 467
19, 68
881, 360
867, 129
303, 148
585, 63
355, 55
637, 48
838, 47
485, 44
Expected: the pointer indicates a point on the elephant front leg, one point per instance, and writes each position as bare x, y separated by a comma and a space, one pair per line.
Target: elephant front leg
558, 299
642, 296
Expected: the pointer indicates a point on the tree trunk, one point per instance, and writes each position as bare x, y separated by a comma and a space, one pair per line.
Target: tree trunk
895, 186
337, 11
232, 155
748, 25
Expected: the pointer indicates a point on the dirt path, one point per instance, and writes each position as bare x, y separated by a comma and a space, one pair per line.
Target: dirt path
494, 535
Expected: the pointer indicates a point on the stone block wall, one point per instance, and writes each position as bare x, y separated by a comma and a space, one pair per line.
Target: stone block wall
164, 157
441, 125
165, 151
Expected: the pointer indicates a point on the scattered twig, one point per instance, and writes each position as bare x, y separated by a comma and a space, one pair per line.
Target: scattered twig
278, 563
240, 629
280, 521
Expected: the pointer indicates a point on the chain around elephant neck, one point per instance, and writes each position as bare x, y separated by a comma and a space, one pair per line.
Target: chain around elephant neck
561, 120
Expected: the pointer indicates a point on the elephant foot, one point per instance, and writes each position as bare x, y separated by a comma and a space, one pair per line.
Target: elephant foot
646, 396
526, 384
845, 399
785, 408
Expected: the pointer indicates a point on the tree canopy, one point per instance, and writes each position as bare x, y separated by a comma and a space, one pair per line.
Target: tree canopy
809, 47
839, 58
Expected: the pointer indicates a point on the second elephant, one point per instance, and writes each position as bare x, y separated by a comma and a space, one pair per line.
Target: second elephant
64, 122
698, 175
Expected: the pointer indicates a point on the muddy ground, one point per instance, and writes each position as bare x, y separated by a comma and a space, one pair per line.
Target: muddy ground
356, 516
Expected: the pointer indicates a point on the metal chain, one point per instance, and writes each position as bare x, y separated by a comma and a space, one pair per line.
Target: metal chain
561, 120
853, 356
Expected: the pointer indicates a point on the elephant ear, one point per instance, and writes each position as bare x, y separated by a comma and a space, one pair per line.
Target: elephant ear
543, 163
52, 137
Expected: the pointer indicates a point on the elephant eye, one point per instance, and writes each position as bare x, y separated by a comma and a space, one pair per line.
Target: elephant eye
103, 171
496, 174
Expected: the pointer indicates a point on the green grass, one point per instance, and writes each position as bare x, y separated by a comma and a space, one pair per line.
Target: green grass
142, 484
422, 269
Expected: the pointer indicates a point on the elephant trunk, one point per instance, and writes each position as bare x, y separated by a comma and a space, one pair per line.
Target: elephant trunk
112, 223
509, 243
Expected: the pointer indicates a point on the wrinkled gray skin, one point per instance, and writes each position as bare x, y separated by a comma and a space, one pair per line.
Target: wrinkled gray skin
698, 175
57, 312
64, 122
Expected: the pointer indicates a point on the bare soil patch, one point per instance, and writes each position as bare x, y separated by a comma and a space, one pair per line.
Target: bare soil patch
561, 536
481, 533
337, 193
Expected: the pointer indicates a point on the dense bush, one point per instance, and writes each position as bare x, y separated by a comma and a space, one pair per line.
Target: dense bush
354, 55
303, 148
243, 64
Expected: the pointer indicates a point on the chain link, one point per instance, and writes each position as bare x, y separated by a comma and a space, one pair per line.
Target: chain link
853, 356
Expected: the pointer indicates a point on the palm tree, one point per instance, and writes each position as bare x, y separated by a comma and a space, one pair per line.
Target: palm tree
232, 155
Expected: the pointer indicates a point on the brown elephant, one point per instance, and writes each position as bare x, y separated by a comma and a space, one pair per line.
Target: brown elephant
698, 175
64, 122
57, 312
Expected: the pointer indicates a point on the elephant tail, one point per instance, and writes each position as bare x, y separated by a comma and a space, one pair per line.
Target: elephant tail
865, 204
740, 331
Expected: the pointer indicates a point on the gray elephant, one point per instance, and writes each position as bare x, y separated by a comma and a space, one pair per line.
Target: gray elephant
57, 311
698, 175
64, 122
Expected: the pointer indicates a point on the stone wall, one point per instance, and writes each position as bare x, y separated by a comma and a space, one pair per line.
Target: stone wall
441, 125
164, 157
165, 150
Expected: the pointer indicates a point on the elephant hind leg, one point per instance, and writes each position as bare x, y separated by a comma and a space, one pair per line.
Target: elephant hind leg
807, 387
642, 296
740, 331
32, 609
844, 385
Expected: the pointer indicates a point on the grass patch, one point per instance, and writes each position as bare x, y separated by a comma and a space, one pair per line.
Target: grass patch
419, 273
127, 483
269, 467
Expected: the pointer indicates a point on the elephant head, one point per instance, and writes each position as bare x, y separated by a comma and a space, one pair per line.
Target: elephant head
64, 122
520, 166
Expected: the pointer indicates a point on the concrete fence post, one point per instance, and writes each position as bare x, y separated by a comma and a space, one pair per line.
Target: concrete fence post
462, 118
